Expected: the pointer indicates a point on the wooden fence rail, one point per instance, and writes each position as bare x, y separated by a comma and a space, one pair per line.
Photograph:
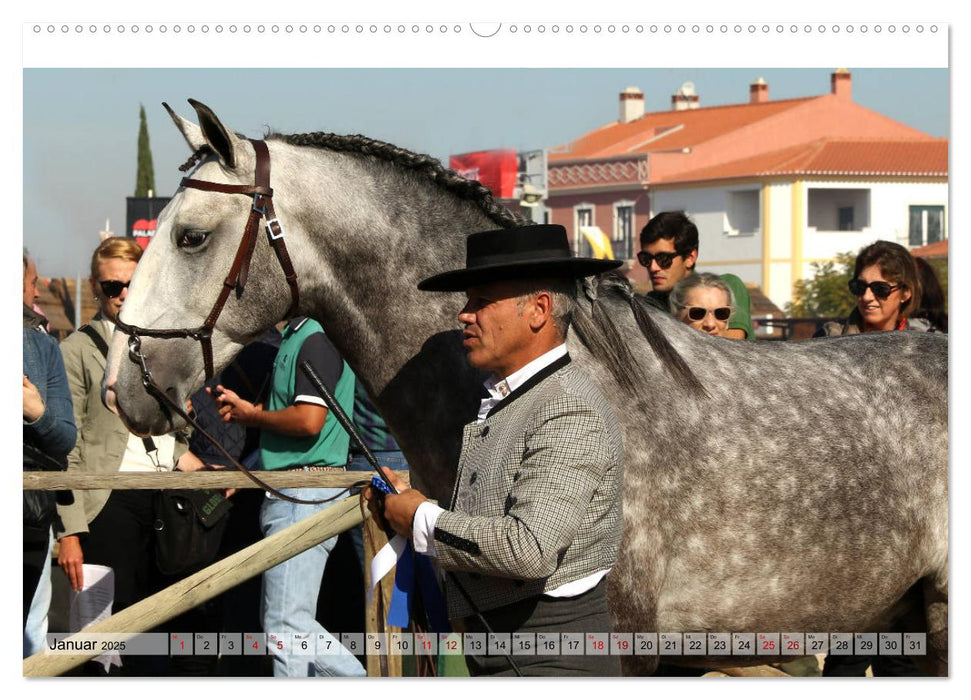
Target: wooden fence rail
208, 583
219, 479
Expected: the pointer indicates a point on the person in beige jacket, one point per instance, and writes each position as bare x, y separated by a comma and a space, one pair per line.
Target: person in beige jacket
111, 528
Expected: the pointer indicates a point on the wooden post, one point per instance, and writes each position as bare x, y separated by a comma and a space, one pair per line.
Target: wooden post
210, 582
377, 665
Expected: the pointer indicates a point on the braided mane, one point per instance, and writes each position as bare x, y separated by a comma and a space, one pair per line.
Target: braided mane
596, 331
426, 165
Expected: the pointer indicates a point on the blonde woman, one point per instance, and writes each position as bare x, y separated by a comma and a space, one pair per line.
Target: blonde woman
111, 528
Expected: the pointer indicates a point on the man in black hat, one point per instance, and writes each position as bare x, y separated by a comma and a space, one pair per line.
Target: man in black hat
534, 522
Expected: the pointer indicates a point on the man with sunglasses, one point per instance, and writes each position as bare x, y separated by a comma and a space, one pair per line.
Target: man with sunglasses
669, 251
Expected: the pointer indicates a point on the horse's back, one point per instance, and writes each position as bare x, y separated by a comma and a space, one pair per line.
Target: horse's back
807, 487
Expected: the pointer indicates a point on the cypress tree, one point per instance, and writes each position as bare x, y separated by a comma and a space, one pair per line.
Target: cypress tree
145, 179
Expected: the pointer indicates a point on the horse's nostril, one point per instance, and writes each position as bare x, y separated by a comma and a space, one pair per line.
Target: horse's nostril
109, 399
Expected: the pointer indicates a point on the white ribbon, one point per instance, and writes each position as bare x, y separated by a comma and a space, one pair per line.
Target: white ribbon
384, 561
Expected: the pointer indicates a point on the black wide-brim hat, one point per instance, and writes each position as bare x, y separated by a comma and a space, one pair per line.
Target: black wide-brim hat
524, 252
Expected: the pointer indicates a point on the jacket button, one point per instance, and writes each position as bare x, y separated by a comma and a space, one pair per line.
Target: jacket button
485, 431
472, 477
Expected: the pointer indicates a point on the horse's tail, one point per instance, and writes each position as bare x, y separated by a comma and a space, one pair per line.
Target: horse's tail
598, 332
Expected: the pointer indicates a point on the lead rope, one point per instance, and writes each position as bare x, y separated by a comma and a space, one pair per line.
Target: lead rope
155, 390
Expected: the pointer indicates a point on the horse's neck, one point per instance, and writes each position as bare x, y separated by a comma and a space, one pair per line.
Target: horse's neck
386, 231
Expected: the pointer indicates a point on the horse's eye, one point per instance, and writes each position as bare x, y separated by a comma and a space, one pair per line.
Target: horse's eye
191, 238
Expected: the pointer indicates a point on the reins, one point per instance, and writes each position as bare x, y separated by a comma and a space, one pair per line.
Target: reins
262, 208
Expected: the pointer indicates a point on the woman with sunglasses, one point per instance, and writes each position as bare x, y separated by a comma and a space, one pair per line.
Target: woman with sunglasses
703, 301
110, 528
887, 290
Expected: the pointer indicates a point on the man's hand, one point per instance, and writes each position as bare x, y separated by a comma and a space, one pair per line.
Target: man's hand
71, 559
396, 510
33, 405
235, 409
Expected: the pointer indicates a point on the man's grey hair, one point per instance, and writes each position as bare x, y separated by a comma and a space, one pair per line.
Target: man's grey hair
563, 293
679, 293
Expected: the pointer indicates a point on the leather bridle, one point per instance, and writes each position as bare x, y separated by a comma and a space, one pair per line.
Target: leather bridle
262, 195
262, 208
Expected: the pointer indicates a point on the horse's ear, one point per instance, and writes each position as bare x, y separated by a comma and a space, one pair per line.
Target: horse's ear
192, 133
222, 141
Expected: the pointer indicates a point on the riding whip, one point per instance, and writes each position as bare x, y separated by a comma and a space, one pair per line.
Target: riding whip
345, 422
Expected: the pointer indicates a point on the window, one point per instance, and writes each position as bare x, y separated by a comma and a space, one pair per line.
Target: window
926, 225
838, 209
583, 216
742, 213
623, 239
845, 216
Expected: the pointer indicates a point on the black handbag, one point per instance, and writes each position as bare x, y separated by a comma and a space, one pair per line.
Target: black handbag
189, 526
40, 507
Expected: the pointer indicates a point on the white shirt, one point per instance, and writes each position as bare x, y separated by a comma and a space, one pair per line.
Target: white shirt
423, 528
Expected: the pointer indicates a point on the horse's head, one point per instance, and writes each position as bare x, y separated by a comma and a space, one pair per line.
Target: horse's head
185, 270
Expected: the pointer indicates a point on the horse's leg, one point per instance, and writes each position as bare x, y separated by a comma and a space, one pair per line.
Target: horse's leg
935, 612
633, 607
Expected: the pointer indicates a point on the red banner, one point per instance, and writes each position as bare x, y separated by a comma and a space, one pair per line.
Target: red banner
494, 169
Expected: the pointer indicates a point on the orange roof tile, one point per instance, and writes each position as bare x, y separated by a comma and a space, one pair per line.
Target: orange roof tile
938, 249
673, 129
869, 157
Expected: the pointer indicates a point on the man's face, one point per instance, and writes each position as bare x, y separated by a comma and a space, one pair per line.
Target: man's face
664, 279
497, 333
31, 294
112, 270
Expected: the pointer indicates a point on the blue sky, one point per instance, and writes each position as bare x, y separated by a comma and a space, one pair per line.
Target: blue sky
80, 126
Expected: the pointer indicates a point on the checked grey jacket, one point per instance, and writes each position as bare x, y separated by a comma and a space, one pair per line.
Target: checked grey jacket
537, 500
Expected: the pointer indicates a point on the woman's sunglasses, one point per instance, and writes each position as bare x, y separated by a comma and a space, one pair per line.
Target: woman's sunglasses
697, 313
664, 260
881, 290
113, 288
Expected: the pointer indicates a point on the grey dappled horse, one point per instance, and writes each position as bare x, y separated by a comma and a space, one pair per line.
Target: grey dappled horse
769, 487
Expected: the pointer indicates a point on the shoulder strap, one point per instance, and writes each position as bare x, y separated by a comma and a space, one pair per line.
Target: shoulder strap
96, 338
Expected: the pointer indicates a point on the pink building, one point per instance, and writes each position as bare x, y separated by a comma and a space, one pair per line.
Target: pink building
764, 180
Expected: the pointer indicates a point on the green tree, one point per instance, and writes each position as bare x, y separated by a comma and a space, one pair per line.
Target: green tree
940, 267
826, 293
145, 179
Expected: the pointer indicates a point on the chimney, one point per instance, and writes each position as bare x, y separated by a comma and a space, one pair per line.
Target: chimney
631, 105
685, 98
758, 91
841, 83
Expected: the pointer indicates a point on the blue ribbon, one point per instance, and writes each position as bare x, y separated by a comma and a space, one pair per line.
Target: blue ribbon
399, 614
411, 567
